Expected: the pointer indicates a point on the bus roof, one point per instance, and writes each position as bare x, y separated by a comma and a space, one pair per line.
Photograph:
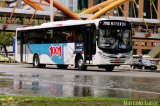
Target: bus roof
65, 23
58, 24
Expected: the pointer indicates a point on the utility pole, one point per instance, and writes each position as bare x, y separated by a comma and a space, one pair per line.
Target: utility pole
51, 11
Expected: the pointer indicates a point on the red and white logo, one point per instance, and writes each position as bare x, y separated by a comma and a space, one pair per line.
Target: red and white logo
55, 51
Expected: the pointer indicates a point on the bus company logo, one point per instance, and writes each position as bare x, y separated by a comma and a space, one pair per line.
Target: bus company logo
55, 51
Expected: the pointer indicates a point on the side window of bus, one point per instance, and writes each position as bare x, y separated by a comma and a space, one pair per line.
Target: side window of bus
48, 36
39, 36
57, 36
30, 39
35, 37
24, 38
67, 36
78, 36
78, 33
63, 35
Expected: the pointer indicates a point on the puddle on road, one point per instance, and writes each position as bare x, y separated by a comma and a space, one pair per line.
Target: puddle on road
79, 86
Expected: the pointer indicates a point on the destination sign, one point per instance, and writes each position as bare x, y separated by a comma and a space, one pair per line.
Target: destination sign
113, 23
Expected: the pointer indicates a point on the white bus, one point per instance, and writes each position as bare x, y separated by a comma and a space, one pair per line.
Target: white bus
80, 43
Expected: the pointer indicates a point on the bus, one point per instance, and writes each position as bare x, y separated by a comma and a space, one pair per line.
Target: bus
79, 43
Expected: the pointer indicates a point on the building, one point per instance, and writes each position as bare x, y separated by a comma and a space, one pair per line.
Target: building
71, 4
143, 8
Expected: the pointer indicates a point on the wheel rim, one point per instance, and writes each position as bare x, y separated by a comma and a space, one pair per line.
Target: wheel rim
80, 62
36, 62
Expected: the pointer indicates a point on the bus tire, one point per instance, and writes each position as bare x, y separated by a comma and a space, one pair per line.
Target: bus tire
36, 62
62, 66
80, 63
109, 68
133, 67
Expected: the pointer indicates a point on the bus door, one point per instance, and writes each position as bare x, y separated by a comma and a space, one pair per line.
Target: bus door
90, 42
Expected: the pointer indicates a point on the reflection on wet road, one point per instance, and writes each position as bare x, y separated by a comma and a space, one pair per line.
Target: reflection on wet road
79, 85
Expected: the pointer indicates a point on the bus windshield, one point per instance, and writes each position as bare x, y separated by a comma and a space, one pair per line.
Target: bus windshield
116, 39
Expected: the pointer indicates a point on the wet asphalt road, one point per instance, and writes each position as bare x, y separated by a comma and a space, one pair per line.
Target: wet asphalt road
22, 79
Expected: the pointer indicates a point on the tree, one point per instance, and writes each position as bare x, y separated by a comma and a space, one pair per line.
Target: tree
3, 4
6, 39
80, 10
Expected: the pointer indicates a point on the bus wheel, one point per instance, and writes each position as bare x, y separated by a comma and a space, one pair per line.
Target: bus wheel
109, 68
80, 64
36, 61
62, 66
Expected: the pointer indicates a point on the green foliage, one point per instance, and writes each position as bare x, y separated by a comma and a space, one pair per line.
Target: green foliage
79, 11
51, 101
6, 38
3, 5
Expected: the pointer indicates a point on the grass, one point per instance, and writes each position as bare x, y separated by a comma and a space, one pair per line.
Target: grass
51, 101
70, 101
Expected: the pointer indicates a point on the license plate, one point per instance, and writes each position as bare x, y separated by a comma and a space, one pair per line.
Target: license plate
117, 61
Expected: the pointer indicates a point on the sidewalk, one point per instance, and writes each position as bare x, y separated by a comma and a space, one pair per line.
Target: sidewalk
158, 67
128, 67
